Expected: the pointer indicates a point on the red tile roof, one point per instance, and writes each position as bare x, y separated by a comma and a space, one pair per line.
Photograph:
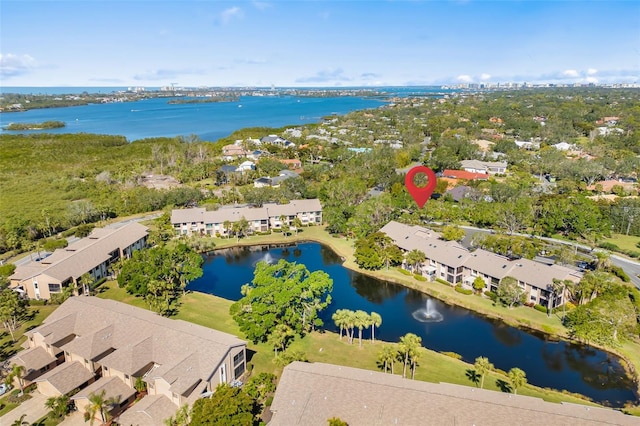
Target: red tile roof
461, 174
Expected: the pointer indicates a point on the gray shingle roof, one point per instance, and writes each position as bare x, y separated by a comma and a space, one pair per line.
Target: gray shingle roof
309, 394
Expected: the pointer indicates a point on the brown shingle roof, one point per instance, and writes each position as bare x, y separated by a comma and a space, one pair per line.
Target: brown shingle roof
112, 386
139, 338
152, 410
83, 255
67, 377
309, 394
33, 359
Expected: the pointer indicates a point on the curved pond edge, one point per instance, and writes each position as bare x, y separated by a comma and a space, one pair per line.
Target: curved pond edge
277, 240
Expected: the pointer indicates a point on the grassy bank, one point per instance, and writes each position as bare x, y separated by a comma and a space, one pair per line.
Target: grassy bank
211, 311
521, 316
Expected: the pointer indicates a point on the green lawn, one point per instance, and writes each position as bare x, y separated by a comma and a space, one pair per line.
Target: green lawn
625, 242
36, 315
213, 312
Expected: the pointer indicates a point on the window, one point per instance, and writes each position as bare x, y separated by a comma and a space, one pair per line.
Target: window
239, 370
238, 358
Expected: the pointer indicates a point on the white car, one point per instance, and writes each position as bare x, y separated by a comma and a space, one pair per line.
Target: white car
3, 389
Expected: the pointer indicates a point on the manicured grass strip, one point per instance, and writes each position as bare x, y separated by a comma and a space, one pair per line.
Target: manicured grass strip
211, 311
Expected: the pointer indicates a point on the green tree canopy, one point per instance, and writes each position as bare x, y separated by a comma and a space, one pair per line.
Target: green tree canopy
228, 406
282, 293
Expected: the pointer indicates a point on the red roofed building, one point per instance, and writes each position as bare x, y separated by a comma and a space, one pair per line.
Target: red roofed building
461, 174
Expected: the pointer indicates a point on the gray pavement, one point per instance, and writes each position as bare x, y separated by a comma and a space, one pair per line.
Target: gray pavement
33, 408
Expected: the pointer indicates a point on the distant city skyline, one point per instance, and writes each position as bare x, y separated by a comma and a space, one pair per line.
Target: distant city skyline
317, 43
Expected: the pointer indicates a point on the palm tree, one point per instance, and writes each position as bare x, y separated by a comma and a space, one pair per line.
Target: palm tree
340, 320
603, 260
409, 344
362, 320
415, 258
17, 371
98, 403
85, 281
59, 406
376, 321
387, 357
414, 355
297, 223
350, 324
21, 421
482, 366
226, 226
518, 379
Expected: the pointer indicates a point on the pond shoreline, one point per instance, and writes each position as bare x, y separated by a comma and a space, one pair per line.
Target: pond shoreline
344, 249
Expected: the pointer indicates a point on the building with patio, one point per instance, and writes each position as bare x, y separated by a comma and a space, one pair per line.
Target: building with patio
450, 261
89, 345
311, 393
93, 255
261, 219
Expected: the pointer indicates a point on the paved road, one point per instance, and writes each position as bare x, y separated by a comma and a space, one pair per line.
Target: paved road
33, 408
631, 267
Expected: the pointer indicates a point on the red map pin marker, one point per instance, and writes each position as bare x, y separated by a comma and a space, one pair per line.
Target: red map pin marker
420, 194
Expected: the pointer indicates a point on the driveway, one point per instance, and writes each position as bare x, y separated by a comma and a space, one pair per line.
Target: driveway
34, 409
74, 419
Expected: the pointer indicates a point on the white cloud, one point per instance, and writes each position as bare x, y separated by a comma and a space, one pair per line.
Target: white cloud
15, 65
591, 80
592, 71
465, 78
570, 73
325, 76
261, 5
230, 13
485, 76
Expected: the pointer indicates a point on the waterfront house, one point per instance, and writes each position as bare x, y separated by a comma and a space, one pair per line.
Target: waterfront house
311, 393
64, 267
95, 344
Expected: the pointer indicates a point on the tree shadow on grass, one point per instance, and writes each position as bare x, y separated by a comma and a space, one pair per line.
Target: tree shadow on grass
503, 386
473, 376
250, 354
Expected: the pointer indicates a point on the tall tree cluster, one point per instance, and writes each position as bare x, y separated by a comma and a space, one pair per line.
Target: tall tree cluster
282, 296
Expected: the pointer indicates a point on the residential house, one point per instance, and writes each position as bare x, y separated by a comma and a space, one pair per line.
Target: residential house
486, 167
563, 146
262, 182
278, 141
261, 219
246, 166
233, 151
103, 345
292, 164
64, 267
528, 145
464, 175
453, 263
310, 393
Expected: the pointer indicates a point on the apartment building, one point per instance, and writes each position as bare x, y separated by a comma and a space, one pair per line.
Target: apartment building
89, 345
93, 255
450, 261
261, 219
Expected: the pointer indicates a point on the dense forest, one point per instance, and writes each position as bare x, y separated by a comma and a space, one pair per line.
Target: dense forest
50, 183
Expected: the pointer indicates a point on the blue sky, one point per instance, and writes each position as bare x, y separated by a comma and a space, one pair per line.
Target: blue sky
316, 43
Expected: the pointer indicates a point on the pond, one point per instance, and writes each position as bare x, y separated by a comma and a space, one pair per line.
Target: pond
547, 363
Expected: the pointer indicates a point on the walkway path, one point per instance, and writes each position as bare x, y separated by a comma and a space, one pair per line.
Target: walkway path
33, 408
